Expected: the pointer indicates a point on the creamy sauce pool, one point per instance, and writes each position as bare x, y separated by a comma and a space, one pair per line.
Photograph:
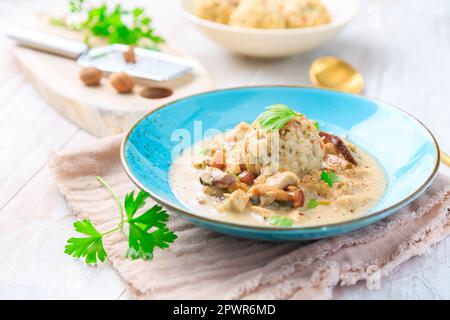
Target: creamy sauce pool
368, 176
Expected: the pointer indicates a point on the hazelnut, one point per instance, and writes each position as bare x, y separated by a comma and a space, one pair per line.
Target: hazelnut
129, 55
156, 92
122, 82
90, 76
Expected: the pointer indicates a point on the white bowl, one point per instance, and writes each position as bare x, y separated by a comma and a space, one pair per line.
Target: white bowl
271, 43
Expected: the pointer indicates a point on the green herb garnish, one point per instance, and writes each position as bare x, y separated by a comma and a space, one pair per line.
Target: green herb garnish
276, 116
316, 125
313, 203
329, 177
89, 247
146, 231
116, 24
281, 221
76, 6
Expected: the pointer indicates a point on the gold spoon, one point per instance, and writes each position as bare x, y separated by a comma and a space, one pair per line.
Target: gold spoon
445, 158
333, 73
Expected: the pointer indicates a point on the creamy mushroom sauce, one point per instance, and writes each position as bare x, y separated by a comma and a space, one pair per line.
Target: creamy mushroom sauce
358, 191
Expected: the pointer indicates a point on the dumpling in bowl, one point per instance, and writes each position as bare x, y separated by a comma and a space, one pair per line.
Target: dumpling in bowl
305, 13
297, 147
215, 10
258, 14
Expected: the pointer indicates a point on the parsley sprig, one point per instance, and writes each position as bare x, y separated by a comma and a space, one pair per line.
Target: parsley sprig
115, 23
91, 247
330, 177
276, 116
146, 231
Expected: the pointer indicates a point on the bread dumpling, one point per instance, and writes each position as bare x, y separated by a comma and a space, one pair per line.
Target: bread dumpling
258, 14
297, 147
267, 14
305, 13
215, 10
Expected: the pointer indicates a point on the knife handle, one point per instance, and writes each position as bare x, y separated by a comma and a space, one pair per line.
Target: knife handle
46, 42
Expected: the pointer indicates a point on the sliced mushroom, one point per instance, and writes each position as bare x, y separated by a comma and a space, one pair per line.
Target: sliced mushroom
298, 198
218, 160
340, 146
237, 201
332, 162
269, 194
264, 189
216, 177
247, 177
281, 180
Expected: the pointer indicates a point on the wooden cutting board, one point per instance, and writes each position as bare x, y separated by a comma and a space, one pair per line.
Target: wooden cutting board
99, 110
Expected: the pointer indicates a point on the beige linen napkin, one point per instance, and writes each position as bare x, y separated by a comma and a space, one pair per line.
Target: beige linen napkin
205, 265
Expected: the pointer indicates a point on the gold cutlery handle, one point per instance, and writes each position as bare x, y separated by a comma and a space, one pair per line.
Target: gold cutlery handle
445, 158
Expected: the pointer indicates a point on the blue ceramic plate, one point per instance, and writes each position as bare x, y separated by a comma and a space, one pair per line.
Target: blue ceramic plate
403, 146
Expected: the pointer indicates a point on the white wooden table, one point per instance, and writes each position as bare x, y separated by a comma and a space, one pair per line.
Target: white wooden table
401, 47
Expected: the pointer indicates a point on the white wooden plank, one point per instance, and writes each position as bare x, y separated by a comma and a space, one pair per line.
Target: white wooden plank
411, 54
34, 228
28, 131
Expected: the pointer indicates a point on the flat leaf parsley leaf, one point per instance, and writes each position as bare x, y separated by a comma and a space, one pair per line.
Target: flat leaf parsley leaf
141, 241
329, 177
281, 221
146, 231
276, 116
316, 125
312, 203
89, 247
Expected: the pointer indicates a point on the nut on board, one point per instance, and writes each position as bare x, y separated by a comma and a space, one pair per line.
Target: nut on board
129, 55
90, 76
122, 82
